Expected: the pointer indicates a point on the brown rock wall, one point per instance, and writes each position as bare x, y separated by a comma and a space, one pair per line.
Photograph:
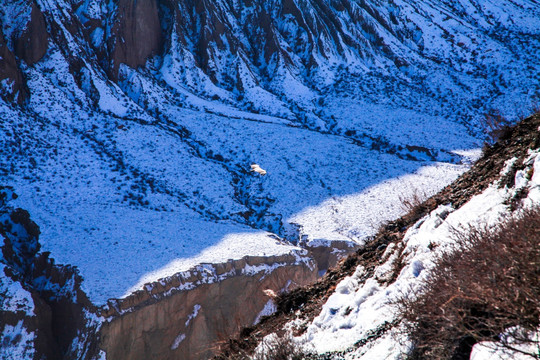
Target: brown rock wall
12, 87
155, 327
137, 33
32, 45
328, 255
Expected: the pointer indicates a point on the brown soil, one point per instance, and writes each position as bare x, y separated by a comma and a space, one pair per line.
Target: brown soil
309, 300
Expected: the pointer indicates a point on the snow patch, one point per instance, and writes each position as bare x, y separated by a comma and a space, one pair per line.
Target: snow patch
17, 342
177, 341
268, 309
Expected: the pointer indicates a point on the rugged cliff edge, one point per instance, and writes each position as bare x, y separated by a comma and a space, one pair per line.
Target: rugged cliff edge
45, 313
187, 315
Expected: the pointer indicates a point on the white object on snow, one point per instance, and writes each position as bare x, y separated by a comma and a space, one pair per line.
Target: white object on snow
270, 293
256, 168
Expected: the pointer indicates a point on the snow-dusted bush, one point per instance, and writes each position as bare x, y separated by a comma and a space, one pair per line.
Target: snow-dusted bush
485, 287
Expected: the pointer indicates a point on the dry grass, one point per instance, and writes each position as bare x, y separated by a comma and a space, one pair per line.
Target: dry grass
271, 348
487, 285
495, 125
279, 348
414, 203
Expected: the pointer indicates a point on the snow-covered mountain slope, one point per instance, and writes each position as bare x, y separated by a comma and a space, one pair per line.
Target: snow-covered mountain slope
129, 128
354, 311
137, 122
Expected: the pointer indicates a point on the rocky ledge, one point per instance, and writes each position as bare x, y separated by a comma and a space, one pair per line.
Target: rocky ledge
188, 314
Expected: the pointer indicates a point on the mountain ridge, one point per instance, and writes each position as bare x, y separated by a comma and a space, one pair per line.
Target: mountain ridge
129, 128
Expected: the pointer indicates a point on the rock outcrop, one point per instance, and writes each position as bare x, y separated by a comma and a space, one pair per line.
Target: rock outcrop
44, 313
187, 315
11, 80
31, 45
327, 253
137, 34
26, 40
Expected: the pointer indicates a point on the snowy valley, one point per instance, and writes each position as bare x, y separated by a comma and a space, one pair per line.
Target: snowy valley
128, 130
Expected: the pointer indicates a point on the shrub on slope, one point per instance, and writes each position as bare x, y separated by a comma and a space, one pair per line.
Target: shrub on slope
488, 286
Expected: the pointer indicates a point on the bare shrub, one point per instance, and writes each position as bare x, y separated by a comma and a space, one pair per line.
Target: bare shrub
413, 203
271, 348
495, 125
535, 107
485, 286
279, 348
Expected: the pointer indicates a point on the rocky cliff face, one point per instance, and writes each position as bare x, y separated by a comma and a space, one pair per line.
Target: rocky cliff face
280, 51
32, 42
44, 312
188, 315
327, 254
24, 38
136, 34
12, 87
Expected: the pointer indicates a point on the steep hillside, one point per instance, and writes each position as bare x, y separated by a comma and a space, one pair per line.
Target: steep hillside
128, 130
352, 312
44, 313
